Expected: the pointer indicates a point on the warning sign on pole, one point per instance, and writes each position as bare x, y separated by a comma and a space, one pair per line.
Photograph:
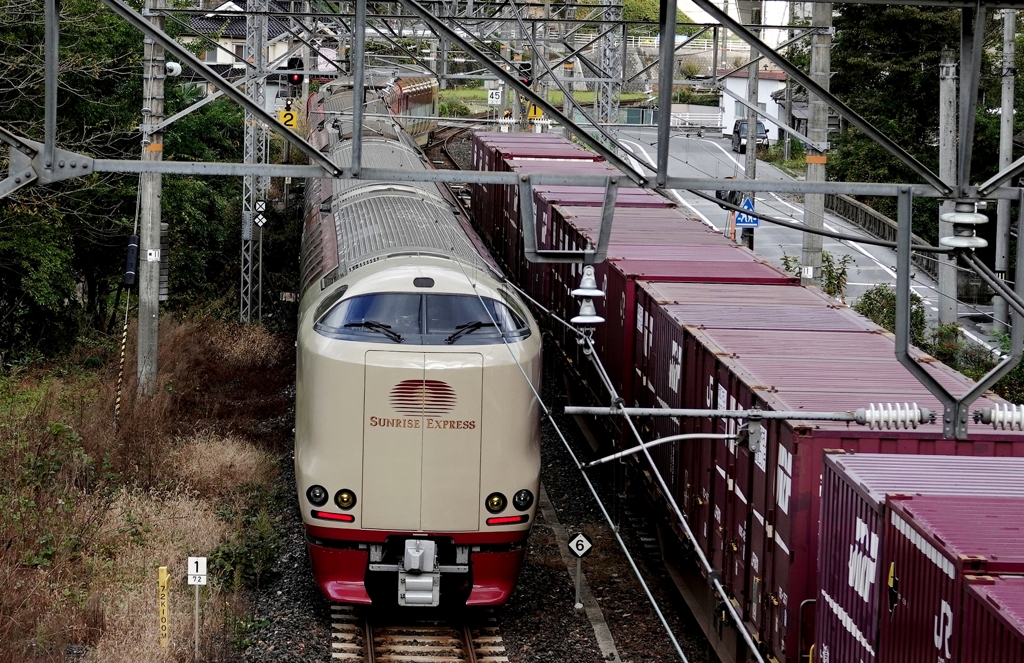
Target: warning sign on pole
746, 219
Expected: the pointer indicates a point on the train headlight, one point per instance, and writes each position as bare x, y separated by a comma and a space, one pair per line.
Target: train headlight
317, 495
522, 500
495, 502
345, 499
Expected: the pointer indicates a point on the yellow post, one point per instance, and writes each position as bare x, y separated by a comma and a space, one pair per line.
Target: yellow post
164, 596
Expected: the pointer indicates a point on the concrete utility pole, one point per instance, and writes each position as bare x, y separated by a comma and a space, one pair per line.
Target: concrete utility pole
817, 131
947, 171
753, 17
1002, 260
150, 197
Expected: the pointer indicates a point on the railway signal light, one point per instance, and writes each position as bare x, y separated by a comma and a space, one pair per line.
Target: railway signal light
526, 73
295, 78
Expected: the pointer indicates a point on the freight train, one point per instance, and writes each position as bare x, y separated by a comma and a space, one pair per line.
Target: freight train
695, 321
417, 452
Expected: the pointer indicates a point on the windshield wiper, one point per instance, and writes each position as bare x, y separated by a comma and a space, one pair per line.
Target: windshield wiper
378, 326
466, 328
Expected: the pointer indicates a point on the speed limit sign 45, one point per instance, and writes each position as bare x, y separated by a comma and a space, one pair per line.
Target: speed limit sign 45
580, 544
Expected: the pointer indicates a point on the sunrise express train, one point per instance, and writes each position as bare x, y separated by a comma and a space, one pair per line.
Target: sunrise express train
417, 450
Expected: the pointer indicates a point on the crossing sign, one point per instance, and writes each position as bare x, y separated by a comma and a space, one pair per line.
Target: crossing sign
744, 220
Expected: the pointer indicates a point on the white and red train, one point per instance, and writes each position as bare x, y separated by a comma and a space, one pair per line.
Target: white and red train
417, 439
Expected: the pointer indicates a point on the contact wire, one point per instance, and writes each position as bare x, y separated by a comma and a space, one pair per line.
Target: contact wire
579, 466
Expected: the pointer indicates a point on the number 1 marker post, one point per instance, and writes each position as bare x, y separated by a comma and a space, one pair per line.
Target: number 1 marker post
579, 546
197, 576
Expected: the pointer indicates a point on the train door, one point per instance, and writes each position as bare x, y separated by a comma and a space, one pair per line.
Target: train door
392, 440
421, 447
451, 445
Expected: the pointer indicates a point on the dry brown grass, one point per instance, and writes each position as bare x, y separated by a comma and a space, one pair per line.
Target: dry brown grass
214, 466
89, 511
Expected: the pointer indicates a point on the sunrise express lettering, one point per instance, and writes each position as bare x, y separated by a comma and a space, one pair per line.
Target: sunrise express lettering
444, 424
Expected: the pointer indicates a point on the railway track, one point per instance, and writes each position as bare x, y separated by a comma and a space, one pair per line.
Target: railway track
360, 638
438, 148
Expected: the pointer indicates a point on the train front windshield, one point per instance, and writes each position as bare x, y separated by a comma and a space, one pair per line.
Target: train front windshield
423, 319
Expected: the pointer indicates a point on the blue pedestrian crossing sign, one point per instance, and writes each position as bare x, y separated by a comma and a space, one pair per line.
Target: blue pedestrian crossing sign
744, 220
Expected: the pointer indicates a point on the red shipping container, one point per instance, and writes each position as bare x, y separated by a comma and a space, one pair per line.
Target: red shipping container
756, 517
993, 620
853, 534
931, 543
619, 275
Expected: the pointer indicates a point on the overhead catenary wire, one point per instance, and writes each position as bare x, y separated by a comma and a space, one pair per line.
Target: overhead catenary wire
576, 461
815, 231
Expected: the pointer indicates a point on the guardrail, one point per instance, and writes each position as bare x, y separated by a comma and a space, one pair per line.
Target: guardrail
708, 120
733, 46
878, 225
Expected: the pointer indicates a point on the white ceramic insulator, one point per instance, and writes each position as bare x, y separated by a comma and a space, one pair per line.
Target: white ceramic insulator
892, 415
1008, 416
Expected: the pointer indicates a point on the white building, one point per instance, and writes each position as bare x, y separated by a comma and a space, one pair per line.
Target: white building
732, 110
227, 58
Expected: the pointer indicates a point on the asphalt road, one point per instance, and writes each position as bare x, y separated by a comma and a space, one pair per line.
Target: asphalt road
711, 156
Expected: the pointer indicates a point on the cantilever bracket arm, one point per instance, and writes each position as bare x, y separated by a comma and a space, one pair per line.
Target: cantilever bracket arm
528, 220
957, 408
803, 79
200, 67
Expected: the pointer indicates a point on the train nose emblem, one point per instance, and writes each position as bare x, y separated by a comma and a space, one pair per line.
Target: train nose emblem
423, 398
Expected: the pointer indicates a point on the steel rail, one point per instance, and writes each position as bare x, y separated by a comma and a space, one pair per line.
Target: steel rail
368, 645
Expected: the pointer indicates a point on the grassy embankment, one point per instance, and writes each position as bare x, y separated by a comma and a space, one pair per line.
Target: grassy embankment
88, 512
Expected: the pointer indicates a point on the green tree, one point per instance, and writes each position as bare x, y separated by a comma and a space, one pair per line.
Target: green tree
886, 62
62, 246
650, 10
878, 304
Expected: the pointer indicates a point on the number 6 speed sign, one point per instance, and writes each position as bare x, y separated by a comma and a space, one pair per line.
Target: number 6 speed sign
580, 544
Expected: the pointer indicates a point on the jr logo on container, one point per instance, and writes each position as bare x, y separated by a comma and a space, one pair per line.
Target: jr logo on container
863, 559
943, 630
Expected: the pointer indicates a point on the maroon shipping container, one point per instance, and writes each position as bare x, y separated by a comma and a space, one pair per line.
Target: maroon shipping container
619, 276
931, 543
756, 515
993, 620
853, 531
509, 237
489, 153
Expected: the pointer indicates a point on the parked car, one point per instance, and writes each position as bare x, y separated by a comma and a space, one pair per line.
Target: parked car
739, 136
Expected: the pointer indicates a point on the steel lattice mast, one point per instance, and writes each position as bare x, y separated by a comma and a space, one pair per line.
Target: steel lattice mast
611, 61
254, 188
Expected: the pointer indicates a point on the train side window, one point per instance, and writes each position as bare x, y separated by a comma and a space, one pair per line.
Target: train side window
329, 301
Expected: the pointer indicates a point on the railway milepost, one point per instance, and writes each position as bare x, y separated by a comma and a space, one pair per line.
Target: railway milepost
579, 546
196, 569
